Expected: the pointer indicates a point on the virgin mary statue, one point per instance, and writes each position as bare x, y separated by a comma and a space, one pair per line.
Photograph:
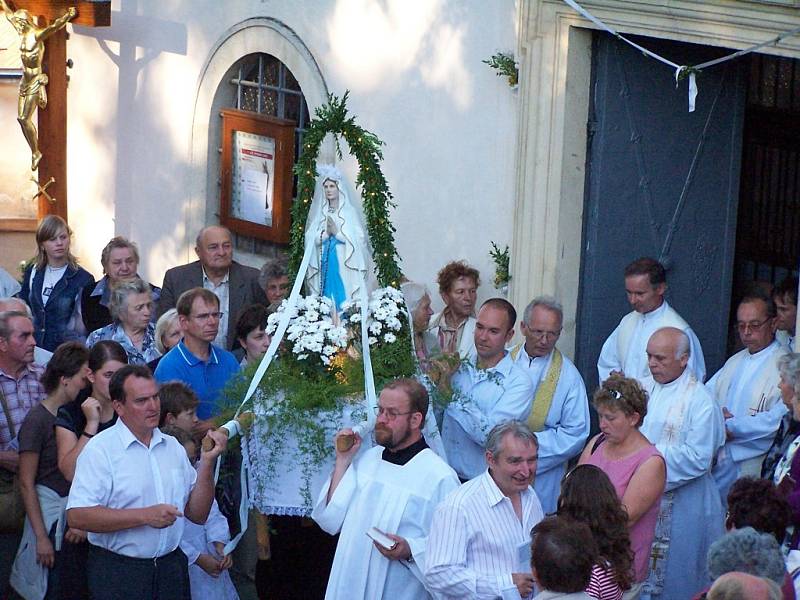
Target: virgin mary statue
340, 258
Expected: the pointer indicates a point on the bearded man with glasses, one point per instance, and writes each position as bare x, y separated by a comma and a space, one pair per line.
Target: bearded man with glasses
196, 361
746, 387
393, 488
560, 412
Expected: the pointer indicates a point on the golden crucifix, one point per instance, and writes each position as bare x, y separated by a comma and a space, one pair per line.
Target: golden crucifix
32, 91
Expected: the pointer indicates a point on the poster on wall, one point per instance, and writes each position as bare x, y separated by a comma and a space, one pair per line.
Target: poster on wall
256, 174
253, 177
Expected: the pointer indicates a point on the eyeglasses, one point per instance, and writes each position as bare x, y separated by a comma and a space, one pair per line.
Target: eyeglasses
539, 334
752, 325
390, 414
215, 316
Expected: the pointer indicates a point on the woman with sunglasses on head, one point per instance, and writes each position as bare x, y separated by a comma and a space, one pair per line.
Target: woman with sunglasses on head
636, 469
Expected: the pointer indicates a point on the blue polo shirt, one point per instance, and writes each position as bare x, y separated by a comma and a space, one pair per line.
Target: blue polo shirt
206, 378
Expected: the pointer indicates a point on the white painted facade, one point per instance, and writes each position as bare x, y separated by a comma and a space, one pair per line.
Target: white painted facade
144, 130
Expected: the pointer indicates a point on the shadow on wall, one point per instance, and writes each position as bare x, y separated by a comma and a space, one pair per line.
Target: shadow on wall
138, 41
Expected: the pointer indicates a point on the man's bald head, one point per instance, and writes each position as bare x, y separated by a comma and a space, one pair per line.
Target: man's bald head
213, 231
742, 586
215, 249
667, 354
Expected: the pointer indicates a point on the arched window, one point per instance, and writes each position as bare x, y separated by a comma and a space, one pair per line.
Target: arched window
265, 85
277, 75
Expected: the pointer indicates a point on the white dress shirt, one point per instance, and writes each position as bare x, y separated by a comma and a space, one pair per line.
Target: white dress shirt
476, 541
117, 471
482, 398
223, 292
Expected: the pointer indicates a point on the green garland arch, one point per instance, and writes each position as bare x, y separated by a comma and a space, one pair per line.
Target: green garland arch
377, 199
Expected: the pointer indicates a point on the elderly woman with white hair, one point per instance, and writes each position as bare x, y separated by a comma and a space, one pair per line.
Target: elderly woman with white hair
787, 471
131, 308
168, 334
789, 428
418, 301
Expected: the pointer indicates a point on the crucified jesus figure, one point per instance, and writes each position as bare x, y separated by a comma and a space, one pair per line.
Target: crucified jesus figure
32, 91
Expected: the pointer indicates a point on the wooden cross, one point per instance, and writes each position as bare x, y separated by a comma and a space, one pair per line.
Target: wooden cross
52, 121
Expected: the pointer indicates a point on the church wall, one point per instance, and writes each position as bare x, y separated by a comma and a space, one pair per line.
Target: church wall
415, 78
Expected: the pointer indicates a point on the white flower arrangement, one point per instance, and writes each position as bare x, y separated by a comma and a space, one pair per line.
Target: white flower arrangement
386, 308
313, 328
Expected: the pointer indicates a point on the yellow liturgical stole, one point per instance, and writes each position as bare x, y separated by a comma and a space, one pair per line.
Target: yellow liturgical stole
543, 399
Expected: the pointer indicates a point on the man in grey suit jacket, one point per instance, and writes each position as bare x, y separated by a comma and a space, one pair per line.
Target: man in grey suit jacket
235, 285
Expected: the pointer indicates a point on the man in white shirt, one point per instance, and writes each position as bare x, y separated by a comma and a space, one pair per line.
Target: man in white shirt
480, 538
131, 487
686, 425
393, 487
785, 297
560, 412
625, 349
451, 330
746, 387
485, 392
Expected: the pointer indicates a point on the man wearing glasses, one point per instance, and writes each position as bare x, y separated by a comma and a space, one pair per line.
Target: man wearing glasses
381, 501
746, 387
560, 412
625, 350
197, 362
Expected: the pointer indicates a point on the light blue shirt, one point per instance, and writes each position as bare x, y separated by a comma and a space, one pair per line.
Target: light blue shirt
482, 398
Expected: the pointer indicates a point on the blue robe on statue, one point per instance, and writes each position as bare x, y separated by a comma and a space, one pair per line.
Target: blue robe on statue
332, 284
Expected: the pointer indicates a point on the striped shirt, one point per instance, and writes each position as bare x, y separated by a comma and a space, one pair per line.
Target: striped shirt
476, 541
20, 395
602, 585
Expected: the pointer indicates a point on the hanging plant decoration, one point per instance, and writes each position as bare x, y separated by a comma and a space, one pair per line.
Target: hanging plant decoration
501, 259
377, 199
505, 65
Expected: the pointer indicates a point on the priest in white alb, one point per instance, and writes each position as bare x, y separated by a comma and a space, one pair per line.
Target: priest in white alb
686, 425
393, 487
746, 387
560, 412
625, 349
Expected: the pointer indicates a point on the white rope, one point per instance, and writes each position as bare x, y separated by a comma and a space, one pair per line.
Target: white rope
368, 425
692, 89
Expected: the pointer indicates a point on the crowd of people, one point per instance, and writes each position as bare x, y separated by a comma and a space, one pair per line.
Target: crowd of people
689, 489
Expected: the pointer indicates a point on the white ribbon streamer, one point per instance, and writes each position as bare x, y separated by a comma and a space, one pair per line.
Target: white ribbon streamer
266, 360
692, 89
